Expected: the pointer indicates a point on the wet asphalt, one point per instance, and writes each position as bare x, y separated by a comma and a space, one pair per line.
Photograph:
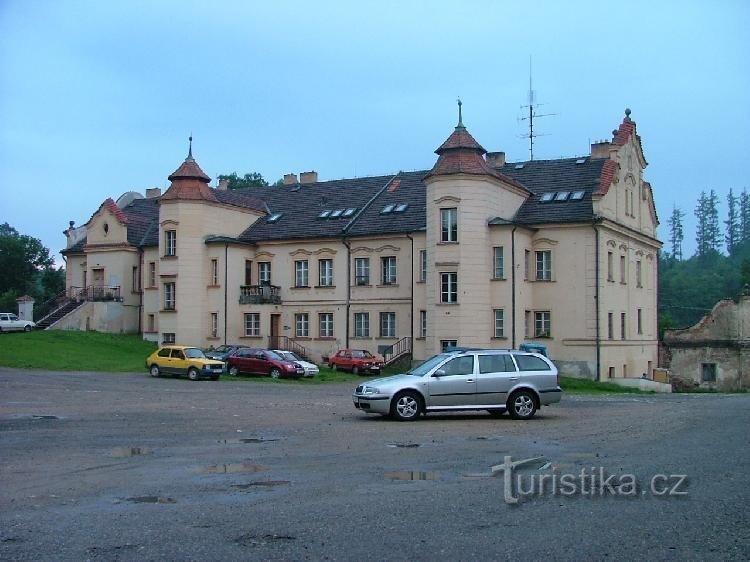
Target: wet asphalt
125, 467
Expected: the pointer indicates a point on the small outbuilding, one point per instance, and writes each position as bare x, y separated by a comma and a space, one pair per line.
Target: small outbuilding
715, 352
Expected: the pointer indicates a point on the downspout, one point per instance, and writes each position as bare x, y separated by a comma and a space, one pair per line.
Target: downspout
596, 300
348, 285
411, 293
140, 292
513, 286
226, 282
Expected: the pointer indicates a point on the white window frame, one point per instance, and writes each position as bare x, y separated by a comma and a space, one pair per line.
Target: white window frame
214, 273
423, 265
170, 295
498, 263
152, 274
387, 324
361, 324
214, 324
264, 272
499, 329
423, 323
389, 267
252, 324
542, 323
543, 261
361, 271
325, 324
170, 242
302, 325
449, 287
449, 224
301, 273
325, 272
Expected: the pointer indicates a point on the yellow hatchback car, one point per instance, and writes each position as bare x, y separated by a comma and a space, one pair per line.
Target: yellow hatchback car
178, 360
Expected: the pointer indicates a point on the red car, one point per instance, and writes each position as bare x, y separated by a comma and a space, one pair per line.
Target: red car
262, 362
356, 360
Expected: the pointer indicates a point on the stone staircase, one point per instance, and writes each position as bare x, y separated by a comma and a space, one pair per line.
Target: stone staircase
68, 306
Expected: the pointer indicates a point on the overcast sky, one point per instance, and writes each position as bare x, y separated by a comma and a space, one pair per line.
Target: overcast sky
98, 98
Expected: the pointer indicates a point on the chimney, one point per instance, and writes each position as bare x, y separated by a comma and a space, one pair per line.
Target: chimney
308, 177
601, 149
496, 159
290, 179
223, 184
153, 192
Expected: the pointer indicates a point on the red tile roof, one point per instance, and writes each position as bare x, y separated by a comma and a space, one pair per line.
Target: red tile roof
189, 182
607, 176
462, 154
112, 207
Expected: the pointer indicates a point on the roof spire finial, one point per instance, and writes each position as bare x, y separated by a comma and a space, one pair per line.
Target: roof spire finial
627, 114
190, 149
460, 117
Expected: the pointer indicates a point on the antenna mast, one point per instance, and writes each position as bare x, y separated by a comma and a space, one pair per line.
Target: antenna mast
532, 114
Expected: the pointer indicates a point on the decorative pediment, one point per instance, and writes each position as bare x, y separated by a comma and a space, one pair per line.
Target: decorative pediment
300, 252
612, 243
544, 242
264, 255
447, 199
325, 251
367, 250
169, 222
623, 247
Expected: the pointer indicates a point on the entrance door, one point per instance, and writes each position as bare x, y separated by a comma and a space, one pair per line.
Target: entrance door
275, 322
98, 290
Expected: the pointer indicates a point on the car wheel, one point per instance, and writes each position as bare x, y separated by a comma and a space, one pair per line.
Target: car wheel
496, 413
233, 370
522, 405
193, 374
406, 406
154, 371
27, 328
275, 373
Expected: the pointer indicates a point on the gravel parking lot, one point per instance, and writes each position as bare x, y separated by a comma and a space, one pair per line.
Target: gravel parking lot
126, 467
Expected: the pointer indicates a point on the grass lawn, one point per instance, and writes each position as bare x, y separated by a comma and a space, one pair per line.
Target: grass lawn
62, 350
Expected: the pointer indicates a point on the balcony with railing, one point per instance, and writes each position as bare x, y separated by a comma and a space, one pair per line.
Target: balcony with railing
94, 293
260, 294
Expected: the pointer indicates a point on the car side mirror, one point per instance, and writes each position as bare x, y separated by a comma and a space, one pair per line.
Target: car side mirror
439, 373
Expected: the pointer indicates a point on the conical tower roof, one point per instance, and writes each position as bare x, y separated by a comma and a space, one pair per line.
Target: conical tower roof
189, 181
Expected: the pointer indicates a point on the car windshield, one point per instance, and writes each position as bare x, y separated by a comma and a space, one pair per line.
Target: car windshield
361, 353
288, 355
425, 367
223, 349
194, 353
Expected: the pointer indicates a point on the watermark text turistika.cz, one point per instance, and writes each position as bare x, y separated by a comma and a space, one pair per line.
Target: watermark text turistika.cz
589, 482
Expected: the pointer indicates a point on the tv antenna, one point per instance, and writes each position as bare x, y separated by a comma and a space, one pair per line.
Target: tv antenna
532, 114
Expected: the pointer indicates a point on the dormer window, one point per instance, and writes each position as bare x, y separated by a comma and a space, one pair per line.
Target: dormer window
349, 212
562, 195
275, 217
546, 197
400, 208
324, 214
576, 196
337, 213
387, 209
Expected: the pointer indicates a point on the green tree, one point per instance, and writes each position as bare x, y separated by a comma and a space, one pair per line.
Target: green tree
234, 181
732, 233
744, 217
708, 234
676, 232
26, 268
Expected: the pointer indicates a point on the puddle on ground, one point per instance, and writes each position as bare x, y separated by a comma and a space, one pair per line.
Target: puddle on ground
412, 475
150, 499
246, 440
252, 539
403, 445
261, 483
120, 452
44, 417
233, 468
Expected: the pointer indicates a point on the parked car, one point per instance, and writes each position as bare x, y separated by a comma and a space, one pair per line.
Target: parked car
254, 361
356, 360
476, 379
180, 360
222, 352
311, 369
10, 322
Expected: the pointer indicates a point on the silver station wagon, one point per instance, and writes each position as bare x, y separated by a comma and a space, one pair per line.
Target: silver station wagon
465, 379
